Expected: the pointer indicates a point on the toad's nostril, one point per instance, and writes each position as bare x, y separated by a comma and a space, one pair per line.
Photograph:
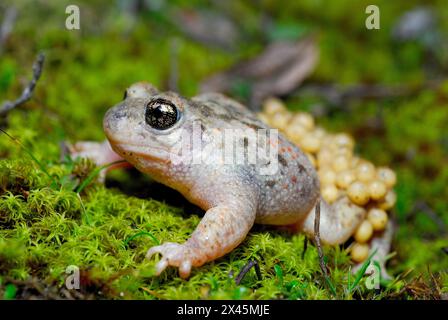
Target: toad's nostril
120, 114
113, 117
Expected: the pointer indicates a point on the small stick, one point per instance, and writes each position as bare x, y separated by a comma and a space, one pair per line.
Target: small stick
436, 288
245, 270
258, 271
28, 90
317, 239
305, 247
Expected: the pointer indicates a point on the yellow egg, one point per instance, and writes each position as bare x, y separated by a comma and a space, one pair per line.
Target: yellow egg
310, 143
388, 176
319, 132
378, 218
340, 163
344, 140
280, 120
377, 189
304, 119
344, 151
345, 178
354, 161
327, 140
389, 200
358, 193
327, 176
365, 171
364, 232
324, 157
360, 252
273, 106
329, 193
295, 133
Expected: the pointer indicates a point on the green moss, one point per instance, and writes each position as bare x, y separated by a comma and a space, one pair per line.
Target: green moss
105, 233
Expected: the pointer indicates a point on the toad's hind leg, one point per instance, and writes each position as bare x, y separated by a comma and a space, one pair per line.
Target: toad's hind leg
338, 221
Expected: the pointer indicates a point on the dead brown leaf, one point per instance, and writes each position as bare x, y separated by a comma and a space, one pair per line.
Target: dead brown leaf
276, 71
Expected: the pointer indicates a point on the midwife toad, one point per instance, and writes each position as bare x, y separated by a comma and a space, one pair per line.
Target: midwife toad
146, 129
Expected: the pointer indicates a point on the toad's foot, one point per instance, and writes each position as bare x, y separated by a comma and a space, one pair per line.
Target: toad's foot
99, 152
222, 228
338, 221
175, 255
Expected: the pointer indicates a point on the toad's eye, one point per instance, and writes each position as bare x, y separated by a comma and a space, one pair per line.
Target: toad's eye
161, 114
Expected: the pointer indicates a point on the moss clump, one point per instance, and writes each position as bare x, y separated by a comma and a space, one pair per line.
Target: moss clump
44, 230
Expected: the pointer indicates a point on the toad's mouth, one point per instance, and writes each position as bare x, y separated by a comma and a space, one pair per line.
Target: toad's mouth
131, 151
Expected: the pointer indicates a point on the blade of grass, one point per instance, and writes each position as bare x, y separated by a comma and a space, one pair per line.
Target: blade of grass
331, 285
349, 277
41, 166
139, 234
279, 273
361, 272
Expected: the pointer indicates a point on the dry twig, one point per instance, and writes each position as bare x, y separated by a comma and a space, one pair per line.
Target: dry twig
28, 90
245, 270
305, 247
277, 71
317, 239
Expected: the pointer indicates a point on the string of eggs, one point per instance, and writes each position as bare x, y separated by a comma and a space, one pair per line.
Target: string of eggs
340, 171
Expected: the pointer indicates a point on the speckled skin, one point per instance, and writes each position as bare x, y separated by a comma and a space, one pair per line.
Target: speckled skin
235, 196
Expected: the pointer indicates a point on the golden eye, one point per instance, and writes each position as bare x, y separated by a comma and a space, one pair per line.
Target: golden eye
161, 114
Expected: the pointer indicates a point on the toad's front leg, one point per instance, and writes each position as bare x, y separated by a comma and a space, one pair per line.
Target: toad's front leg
100, 153
222, 229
